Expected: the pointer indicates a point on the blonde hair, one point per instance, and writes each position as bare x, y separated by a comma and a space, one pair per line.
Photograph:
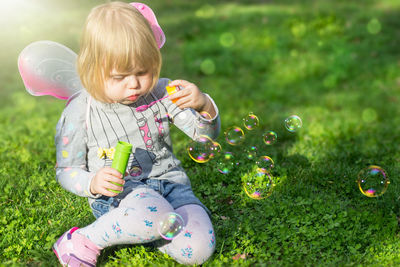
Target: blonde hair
116, 36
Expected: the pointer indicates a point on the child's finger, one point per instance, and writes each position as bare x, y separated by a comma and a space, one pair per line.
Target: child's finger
179, 83
115, 180
114, 187
181, 91
177, 95
113, 172
108, 193
183, 102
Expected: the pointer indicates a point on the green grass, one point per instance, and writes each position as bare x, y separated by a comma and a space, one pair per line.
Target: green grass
336, 64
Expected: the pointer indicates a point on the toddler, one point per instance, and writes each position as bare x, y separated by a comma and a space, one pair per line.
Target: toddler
119, 65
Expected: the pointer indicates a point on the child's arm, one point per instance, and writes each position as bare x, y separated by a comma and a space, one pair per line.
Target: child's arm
187, 111
71, 149
192, 97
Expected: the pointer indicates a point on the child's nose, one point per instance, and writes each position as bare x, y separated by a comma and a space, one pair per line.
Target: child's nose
133, 82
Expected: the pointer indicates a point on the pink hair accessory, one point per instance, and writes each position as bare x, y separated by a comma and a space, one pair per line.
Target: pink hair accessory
151, 18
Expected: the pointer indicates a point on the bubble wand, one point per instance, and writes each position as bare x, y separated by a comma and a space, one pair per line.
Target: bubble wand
170, 90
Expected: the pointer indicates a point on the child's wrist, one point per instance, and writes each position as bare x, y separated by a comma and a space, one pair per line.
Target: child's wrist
92, 191
206, 106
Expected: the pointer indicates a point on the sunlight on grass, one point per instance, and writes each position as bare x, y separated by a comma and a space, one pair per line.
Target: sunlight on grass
387, 5
296, 67
234, 9
24, 101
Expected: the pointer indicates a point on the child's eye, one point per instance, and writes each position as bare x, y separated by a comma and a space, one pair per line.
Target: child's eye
141, 73
118, 77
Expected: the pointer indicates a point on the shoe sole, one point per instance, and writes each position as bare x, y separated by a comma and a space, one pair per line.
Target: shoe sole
55, 249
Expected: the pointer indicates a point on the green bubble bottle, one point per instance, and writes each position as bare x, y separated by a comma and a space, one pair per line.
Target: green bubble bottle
120, 160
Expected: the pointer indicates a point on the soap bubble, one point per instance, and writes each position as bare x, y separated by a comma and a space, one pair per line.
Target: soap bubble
258, 184
135, 171
265, 163
206, 115
168, 117
170, 225
215, 149
251, 152
202, 149
293, 123
251, 121
200, 123
234, 135
270, 138
226, 163
373, 181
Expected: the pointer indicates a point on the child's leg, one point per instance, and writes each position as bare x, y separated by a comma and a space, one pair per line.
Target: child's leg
196, 243
133, 221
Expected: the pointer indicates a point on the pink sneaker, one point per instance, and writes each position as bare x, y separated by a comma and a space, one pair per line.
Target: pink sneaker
76, 250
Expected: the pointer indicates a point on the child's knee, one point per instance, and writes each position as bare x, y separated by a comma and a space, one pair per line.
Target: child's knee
196, 253
143, 221
147, 204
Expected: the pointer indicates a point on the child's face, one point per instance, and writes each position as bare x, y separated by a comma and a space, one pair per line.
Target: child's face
126, 88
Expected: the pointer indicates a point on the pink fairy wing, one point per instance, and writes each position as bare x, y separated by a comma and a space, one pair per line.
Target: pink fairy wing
49, 68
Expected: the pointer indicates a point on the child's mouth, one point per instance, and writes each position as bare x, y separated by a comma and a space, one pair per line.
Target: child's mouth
133, 97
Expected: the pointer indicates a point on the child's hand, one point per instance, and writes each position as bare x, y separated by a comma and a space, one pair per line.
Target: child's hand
102, 181
189, 97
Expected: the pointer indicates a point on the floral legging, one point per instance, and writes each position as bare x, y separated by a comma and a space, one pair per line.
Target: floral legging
135, 221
